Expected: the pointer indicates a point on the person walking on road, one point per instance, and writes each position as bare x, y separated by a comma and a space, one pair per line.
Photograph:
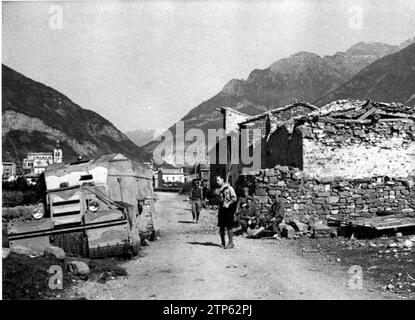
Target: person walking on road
227, 209
196, 198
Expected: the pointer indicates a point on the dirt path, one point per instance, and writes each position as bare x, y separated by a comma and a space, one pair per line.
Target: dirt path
187, 263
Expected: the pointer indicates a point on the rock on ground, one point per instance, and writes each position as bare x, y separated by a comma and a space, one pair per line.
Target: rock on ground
288, 231
21, 250
78, 268
5, 252
56, 252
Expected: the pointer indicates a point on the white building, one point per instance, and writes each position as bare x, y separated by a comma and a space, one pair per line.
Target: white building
37, 162
170, 176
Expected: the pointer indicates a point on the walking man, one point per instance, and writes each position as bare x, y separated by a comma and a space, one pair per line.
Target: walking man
196, 197
227, 209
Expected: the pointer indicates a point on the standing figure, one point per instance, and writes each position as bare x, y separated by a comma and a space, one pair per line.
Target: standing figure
196, 197
227, 209
205, 191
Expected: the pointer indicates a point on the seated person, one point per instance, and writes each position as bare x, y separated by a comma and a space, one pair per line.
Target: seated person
276, 214
248, 214
242, 198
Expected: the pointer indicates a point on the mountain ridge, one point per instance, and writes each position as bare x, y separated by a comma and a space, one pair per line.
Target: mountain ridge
302, 76
389, 79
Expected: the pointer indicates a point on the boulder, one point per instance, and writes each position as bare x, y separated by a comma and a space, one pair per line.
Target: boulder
21, 250
78, 268
322, 231
5, 252
408, 244
56, 252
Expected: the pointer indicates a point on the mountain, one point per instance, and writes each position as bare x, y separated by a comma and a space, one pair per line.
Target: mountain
302, 76
389, 79
407, 43
35, 116
143, 136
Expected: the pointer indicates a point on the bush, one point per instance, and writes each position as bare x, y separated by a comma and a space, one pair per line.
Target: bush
19, 192
12, 198
18, 212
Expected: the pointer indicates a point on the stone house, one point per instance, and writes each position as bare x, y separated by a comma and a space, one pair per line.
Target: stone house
349, 139
268, 122
350, 158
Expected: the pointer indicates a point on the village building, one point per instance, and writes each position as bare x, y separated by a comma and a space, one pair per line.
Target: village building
170, 176
268, 122
36, 162
348, 159
349, 139
201, 172
9, 170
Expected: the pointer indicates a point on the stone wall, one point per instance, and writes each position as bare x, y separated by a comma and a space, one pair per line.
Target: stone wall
307, 197
231, 120
358, 150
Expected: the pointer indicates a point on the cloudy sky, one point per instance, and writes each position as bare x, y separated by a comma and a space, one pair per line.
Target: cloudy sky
144, 64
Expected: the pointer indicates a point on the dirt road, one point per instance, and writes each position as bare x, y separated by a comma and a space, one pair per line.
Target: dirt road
188, 263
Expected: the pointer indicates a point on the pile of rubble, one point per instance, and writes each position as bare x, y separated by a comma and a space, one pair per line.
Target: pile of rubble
293, 229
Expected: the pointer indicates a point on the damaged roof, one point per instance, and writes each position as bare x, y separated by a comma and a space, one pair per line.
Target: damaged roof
364, 111
224, 109
276, 111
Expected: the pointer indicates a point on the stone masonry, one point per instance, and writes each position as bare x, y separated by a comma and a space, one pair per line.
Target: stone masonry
308, 198
358, 150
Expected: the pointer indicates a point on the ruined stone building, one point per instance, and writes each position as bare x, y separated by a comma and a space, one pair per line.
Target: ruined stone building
348, 158
350, 139
268, 122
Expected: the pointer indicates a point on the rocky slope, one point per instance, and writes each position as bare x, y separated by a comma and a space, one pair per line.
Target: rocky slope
34, 116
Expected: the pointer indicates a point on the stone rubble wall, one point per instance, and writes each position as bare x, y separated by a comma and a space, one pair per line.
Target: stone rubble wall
307, 198
353, 150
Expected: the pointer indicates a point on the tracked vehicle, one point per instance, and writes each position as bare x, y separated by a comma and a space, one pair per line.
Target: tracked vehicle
95, 208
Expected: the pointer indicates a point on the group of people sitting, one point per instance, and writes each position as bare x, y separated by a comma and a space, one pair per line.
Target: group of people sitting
250, 217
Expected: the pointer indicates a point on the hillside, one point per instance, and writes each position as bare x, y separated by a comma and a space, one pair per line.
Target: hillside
391, 78
35, 116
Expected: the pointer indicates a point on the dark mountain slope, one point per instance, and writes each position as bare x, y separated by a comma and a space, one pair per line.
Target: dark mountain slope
35, 116
389, 79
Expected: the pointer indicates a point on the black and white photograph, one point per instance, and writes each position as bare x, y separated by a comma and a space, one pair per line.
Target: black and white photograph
232, 151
